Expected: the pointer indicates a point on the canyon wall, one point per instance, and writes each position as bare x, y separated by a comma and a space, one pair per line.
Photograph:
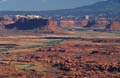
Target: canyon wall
98, 23
40, 25
74, 23
115, 25
51, 26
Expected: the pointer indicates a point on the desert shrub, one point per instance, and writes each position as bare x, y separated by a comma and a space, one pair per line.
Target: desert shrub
52, 43
4, 51
31, 65
23, 69
34, 46
27, 68
61, 66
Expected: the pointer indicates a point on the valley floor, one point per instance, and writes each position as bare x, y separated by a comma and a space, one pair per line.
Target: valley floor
69, 55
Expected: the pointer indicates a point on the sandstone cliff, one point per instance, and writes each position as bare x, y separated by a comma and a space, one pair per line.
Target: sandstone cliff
74, 23
41, 25
115, 25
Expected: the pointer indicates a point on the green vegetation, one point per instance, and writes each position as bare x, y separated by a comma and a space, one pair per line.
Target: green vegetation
52, 43
28, 47
27, 68
65, 28
33, 46
23, 69
4, 51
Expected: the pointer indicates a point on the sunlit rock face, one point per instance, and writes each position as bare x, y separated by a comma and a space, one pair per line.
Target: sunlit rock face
74, 23
67, 22
52, 27
100, 23
115, 25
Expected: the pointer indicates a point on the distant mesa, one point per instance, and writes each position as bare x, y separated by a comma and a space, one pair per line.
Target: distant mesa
46, 25
23, 23
27, 24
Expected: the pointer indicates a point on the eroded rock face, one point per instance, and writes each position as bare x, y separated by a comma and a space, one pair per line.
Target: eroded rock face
74, 23
100, 23
67, 22
51, 27
41, 25
27, 24
115, 25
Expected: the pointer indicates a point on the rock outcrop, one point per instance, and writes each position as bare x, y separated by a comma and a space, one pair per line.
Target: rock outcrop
50, 26
100, 23
115, 25
74, 23
40, 25
5, 21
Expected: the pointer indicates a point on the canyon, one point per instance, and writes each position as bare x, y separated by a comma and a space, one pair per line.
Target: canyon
81, 42
39, 47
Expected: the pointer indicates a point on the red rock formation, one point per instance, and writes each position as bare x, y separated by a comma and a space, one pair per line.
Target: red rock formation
100, 23
52, 27
41, 25
115, 25
67, 22
74, 23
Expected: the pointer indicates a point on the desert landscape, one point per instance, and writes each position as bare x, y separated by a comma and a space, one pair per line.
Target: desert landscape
82, 42
73, 55
33, 47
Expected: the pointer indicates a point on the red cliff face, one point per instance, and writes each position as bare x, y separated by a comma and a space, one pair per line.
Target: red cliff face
52, 27
100, 23
41, 25
74, 23
67, 22
115, 25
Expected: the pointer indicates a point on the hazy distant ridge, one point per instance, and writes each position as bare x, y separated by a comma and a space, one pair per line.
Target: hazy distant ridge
108, 8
